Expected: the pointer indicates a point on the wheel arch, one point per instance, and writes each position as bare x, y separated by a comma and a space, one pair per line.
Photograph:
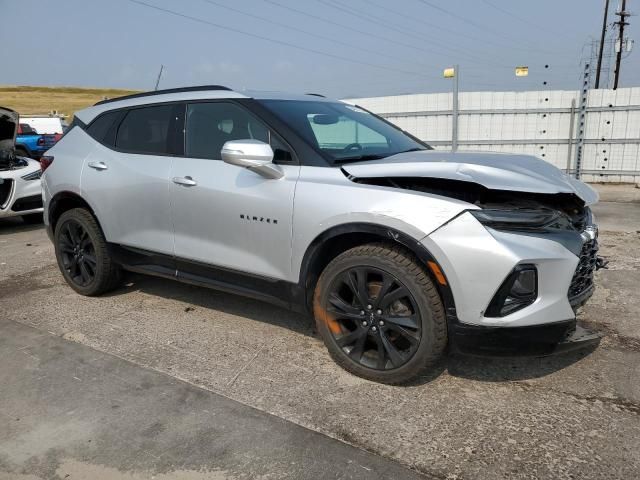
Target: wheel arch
337, 239
25, 148
64, 201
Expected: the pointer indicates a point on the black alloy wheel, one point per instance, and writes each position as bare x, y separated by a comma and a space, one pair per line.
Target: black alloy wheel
78, 253
83, 254
375, 320
380, 315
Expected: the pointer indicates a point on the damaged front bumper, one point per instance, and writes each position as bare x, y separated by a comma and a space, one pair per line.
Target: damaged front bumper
536, 340
478, 261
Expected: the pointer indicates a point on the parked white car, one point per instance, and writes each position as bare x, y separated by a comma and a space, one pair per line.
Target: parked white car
20, 188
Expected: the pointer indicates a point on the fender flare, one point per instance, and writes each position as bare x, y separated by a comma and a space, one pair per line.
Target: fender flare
382, 232
68, 195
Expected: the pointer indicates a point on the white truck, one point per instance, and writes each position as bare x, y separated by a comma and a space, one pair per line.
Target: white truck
44, 124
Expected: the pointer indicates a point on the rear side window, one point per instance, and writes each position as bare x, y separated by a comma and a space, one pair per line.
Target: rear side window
145, 130
100, 127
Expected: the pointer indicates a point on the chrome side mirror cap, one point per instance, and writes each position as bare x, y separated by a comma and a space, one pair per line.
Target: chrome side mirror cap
253, 155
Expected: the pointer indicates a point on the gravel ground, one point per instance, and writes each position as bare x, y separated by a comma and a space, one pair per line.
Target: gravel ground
570, 416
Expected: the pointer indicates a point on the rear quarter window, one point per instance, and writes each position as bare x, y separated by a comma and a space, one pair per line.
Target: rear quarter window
100, 127
145, 130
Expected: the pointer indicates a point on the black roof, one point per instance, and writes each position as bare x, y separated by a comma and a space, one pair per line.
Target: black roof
198, 88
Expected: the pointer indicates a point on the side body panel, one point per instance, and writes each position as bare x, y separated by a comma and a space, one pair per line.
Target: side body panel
130, 197
325, 198
64, 174
234, 218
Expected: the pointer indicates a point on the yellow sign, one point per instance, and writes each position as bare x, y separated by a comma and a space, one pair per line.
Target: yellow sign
522, 71
449, 72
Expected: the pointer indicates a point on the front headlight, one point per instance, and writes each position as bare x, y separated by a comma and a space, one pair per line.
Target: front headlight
33, 175
522, 219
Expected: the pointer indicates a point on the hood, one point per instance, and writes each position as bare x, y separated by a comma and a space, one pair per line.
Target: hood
495, 171
8, 129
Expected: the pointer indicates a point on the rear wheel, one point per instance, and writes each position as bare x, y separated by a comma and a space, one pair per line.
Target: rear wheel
380, 315
83, 255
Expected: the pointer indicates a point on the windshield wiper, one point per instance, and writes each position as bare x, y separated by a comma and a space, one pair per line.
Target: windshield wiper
373, 156
358, 158
417, 149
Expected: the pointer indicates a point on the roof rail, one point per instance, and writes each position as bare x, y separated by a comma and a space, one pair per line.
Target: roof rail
199, 88
316, 95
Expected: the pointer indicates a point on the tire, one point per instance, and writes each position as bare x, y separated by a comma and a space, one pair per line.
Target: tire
21, 152
414, 324
102, 272
33, 218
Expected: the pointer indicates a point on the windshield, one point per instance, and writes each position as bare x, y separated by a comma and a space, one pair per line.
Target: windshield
343, 133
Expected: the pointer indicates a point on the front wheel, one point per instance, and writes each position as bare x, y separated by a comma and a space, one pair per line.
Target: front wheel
380, 315
82, 253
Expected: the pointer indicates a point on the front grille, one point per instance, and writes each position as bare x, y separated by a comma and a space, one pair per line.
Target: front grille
5, 191
582, 282
27, 203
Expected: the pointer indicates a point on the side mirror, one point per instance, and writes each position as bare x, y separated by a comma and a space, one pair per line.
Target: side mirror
254, 155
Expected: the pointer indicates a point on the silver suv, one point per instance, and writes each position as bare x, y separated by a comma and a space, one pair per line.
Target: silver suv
397, 250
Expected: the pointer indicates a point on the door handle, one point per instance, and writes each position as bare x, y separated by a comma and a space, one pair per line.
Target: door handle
97, 165
186, 181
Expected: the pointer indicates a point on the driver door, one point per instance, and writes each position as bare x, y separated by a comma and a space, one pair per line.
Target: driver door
224, 215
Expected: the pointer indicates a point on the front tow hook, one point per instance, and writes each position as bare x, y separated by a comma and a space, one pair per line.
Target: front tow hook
601, 263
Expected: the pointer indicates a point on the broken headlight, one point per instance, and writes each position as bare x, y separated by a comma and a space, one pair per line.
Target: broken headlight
522, 219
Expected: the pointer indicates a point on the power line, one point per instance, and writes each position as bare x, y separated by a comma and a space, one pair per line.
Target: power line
349, 28
365, 16
272, 40
479, 26
295, 29
524, 20
438, 27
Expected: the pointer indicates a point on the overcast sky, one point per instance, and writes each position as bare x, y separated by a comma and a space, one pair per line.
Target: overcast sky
338, 47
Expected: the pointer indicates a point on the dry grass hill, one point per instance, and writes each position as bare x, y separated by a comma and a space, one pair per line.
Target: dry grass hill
42, 100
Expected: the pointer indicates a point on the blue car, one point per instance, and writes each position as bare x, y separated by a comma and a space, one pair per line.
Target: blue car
31, 144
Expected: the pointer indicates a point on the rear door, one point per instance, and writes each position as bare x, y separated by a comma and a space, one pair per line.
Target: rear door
224, 215
126, 176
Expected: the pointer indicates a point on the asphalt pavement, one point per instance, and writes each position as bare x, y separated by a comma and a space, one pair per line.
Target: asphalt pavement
210, 382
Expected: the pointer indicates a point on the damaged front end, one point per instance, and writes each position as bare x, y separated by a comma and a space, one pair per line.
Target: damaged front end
562, 217
520, 261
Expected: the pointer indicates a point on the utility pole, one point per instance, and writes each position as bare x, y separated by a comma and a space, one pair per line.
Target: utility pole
454, 116
604, 31
159, 75
453, 72
621, 23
